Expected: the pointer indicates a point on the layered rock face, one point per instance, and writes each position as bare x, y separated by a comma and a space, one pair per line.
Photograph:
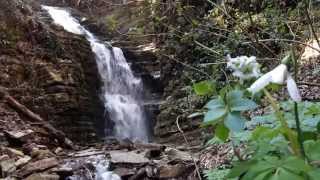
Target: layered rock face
50, 71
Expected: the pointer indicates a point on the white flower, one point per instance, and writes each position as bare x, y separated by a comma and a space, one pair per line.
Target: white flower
278, 75
244, 67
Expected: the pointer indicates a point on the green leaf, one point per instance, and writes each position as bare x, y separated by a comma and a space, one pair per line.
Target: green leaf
264, 132
318, 127
235, 94
263, 175
241, 168
295, 164
242, 104
215, 103
222, 132
314, 174
283, 174
214, 115
203, 88
312, 149
235, 122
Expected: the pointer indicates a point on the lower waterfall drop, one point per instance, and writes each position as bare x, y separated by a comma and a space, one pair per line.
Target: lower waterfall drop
122, 92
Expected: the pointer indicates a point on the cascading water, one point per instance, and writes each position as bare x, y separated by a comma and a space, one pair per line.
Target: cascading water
121, 91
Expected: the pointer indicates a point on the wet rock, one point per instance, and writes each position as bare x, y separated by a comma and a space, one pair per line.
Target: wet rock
38, 166
58, 150
124, 173
174, 154
63, 172
13, 152
172, 171
18, 136
87, 152
42, 176
131, 157
41, 153
7, 167
22, 161
153, 153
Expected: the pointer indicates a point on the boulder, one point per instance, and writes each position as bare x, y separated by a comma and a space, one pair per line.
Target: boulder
19, 135
7, 167
38, 166
43, 176
22, 161
174, 171
131, 157
13, 152
174, 154
124, 173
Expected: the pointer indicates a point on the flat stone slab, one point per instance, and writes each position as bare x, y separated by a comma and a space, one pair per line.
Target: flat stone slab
129, 157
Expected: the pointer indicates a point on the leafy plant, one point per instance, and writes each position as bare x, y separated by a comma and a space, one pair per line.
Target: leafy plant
224, 112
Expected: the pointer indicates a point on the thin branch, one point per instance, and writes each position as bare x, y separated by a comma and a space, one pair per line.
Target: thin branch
311, 24
285, 40
187, 65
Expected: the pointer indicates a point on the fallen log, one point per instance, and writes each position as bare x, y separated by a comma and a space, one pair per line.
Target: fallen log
20, 108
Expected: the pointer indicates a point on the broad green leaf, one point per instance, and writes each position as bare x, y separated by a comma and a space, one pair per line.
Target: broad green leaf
240, 168
215, 103
295, 164
264, 132
314, 174
309, 136
214, 115
312, 149
282, 174
259, 167
235, 122
263, 175
318, 127
242, 104
234, 94
203, 88
313, 110
222, 132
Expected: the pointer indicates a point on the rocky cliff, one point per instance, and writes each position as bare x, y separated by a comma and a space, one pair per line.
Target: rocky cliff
50, 71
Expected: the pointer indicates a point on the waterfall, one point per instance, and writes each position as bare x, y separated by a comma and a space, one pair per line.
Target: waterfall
122, 92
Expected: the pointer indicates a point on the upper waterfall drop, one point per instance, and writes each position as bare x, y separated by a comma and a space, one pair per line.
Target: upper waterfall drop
122, 92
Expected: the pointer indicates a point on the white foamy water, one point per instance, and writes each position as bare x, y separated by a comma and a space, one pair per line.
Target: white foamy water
121, 91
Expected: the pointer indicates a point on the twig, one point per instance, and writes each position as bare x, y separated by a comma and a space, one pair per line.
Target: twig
308, 83
187, 65
285, 40
311, 24
207, 48
188, 144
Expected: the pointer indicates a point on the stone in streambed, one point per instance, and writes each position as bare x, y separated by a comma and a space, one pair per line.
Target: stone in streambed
174, 171
22, 161
38, 166
131, 157
124, 172
18, 136
7, 167
43, 176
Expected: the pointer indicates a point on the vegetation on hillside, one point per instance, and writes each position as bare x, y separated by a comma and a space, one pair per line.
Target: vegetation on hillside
281, 142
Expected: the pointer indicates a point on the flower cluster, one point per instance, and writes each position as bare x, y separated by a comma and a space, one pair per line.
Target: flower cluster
244, 67
278, 75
